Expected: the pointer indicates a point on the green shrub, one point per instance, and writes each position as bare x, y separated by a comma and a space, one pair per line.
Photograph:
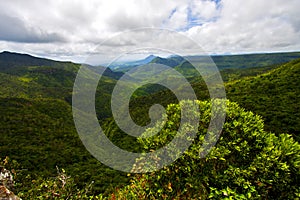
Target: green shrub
246, 163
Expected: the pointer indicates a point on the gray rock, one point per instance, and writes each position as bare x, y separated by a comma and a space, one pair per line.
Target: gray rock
6, 184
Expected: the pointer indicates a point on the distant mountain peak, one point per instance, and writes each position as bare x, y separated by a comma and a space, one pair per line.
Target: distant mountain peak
128, 65
171, 62
149, 58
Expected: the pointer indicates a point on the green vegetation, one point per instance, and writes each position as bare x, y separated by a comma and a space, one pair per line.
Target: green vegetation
37, 127
40, 135
256, 89
274, 95
254, 157
253, 60
246, 163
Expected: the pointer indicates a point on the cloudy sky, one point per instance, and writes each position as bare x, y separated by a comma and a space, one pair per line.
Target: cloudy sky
75, 29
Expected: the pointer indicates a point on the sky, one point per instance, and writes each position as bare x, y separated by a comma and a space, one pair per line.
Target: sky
75, 29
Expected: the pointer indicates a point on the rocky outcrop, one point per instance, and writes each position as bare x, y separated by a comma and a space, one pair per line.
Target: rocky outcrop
6, 184
6, 194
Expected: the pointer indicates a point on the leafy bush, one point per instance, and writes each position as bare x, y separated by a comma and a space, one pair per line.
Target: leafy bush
247, 162
60, 187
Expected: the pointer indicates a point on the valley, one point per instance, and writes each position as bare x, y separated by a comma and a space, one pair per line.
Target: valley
38, 133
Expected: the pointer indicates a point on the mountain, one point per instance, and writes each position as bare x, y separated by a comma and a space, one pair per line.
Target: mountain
16, 63
11, 60
36, 123
125, 66
273, 95
271, 91
223, 62
147, 59
245, 61
250, 87
37, 132
171, 61
253, 60
247, 161
231, 62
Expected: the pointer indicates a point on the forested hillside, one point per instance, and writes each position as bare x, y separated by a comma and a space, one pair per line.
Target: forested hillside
37, 127
254, 157
274, 95
272, 92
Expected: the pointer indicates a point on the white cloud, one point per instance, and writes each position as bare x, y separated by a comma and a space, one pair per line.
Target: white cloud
66, 29
178, 18
204, 10
251, 26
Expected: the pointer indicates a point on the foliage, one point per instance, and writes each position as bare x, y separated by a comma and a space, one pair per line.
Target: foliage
61, 186
230, 74
36, 125
37, 130
273, 95
256, 89
247, 162
40, 134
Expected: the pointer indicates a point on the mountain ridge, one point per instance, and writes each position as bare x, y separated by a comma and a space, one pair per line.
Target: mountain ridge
239, 61
14, 59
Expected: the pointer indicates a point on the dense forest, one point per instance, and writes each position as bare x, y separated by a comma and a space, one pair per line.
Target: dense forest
256, 157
